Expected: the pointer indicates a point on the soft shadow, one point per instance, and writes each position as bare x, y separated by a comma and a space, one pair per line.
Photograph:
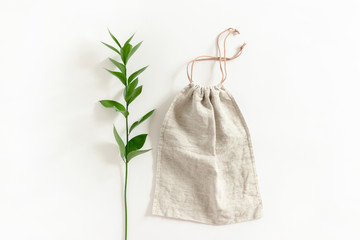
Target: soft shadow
155, 124
109, 152
87, 60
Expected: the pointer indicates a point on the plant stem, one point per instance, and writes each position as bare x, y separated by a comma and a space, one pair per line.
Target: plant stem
126, 161
126, 174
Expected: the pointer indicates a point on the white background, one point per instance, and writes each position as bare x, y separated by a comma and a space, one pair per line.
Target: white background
297, 84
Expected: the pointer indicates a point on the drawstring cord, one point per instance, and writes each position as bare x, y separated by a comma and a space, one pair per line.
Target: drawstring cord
222, 60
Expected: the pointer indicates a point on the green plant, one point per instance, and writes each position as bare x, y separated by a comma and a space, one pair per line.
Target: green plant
130, 148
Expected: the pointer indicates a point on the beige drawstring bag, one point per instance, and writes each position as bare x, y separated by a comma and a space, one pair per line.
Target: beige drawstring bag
205, 164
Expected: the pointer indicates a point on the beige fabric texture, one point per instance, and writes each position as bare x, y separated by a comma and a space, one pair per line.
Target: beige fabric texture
205, 168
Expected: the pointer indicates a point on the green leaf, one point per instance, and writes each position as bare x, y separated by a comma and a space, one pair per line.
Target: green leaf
119, 75
111, 47
120, 143
120, 66
136, 153
135, 74
136, 143
133, 50
128, 41
124, 52
113, 104
114, 38
134, 94
146, 116
129, 89
116, 105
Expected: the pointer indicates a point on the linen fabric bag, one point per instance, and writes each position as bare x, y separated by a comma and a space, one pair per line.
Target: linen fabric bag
205, 164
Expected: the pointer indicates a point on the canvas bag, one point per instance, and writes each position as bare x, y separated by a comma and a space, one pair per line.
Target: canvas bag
205, 164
